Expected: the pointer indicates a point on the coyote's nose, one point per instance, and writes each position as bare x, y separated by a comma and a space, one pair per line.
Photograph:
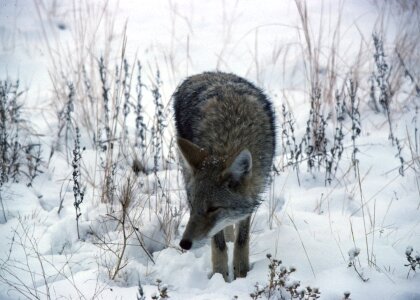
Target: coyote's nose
185, 244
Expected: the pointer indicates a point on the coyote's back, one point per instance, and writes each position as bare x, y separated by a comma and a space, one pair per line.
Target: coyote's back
226, 134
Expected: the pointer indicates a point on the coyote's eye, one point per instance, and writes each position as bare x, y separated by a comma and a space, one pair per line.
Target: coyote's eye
232, 184
212, 209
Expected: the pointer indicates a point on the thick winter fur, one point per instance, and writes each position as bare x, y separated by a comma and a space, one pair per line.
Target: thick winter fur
226, 135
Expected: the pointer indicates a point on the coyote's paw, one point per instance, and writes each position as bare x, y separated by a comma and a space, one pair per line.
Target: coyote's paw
240, 267
225, 275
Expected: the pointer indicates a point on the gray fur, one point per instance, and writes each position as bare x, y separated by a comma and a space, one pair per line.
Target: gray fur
226, 135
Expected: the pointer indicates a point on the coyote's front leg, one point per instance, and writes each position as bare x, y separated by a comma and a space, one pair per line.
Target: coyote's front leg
219, 255
241, 251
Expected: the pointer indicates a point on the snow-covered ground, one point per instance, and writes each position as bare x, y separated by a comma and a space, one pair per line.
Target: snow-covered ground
303, 222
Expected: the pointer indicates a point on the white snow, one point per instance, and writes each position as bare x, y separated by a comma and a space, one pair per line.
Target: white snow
313, 227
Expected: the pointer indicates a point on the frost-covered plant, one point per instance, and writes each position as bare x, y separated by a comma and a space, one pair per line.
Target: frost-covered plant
33, 161
353, 254
113, 138
105, 138
106, 99
162, 290
317, 147
140, 136
140, 127
380, 80
292, 149
159, 124
282, 286
314, 138
140, 292
19, 154
401, 158
65, 123
288, 137
161, 294
355, 118
126, 105
321, 153
333, 160
10, 129
413, 262
78, 190
258, 292
103, 99
381, 74
346, 296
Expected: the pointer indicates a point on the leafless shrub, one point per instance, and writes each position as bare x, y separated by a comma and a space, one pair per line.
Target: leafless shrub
30, 274
413, 262
281, 285
119, 229
20, 150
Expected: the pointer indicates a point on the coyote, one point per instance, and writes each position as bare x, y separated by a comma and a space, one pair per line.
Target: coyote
226, 136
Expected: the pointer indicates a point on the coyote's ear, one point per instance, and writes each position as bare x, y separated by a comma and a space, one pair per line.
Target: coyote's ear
241, 167
192, 153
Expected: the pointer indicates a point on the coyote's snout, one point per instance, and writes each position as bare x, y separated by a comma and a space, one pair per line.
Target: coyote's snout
226, 136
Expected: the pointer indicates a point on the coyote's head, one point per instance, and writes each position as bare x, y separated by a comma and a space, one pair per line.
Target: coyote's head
216, 191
